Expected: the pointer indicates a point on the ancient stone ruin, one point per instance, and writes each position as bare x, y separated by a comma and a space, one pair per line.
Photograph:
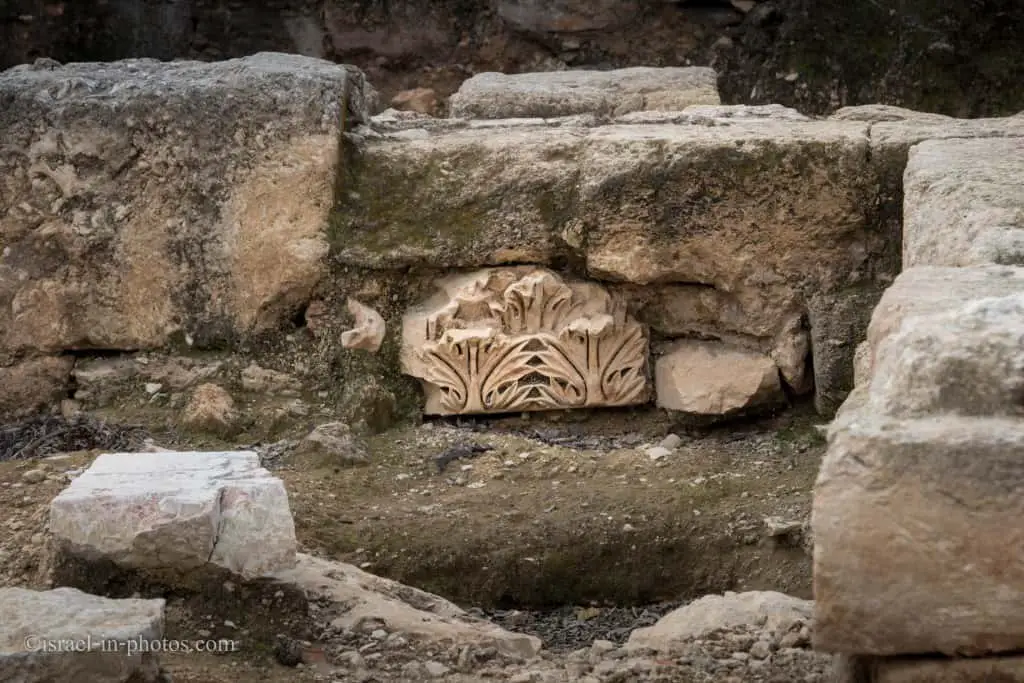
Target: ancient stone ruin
252, 252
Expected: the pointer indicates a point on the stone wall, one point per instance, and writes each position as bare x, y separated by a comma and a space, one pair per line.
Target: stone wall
191, 241
918, 505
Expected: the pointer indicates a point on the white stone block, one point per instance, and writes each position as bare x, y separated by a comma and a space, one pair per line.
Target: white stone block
67, 635
178, 511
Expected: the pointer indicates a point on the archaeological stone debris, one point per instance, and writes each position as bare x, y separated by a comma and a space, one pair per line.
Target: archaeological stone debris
250, 247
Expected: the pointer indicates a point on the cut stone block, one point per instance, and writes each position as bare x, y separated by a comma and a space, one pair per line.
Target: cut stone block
144, 199
964, 203
919, 546
968, 361
962, 670
177, 512
712, 378
564, 93
927, 290
519, 339
67, 635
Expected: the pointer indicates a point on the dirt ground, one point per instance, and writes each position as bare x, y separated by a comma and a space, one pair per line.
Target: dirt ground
559, 512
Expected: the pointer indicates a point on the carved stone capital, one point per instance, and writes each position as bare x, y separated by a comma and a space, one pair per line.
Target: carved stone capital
521, 339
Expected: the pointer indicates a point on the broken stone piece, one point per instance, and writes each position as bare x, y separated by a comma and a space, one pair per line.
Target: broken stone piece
767, 610
177, 511
368, 333
67, 635
211, 409
520, 339
713, 378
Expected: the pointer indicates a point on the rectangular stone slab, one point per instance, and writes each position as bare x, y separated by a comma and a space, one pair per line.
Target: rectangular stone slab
565, 93
177, 511
919, 545
67, 635
139, 198
964, 202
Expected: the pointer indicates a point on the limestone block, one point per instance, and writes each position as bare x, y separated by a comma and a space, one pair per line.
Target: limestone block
918, 542
957, 670
519, 339
967, 361
176, 512
964, 203
67, 635
712, 378
564, 93
927, 290
766, 610
141, 198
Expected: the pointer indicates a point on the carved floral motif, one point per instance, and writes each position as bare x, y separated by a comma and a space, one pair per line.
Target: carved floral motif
521, 339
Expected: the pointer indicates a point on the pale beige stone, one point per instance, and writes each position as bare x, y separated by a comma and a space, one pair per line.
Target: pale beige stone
964, 203
67, 635
712, 378
210, 408
918, 540
517, 339
954, 670
877, 113
767, 611
563, 93
368, 331
967, 361
359, 597
156, 198
927, 290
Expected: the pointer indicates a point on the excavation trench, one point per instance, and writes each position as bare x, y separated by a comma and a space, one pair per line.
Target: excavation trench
571, 522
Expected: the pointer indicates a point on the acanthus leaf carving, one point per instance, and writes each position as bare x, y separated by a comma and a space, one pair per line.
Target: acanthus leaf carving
521, 339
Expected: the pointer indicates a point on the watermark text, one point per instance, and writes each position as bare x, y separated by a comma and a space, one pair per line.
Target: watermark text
129, 646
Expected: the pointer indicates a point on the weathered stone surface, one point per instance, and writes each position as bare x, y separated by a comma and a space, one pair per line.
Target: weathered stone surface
335, 445
771, 322
210, 408
518, 339
957, 670
767, 610
918, 542
712, 378
32, 385
968, 361
775, 216
176, 512
712, 114
563, 93
926, 290
964, 203
565, 16
369, 602
368, 330
721, 205
67, 635
877, 113
143, 198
